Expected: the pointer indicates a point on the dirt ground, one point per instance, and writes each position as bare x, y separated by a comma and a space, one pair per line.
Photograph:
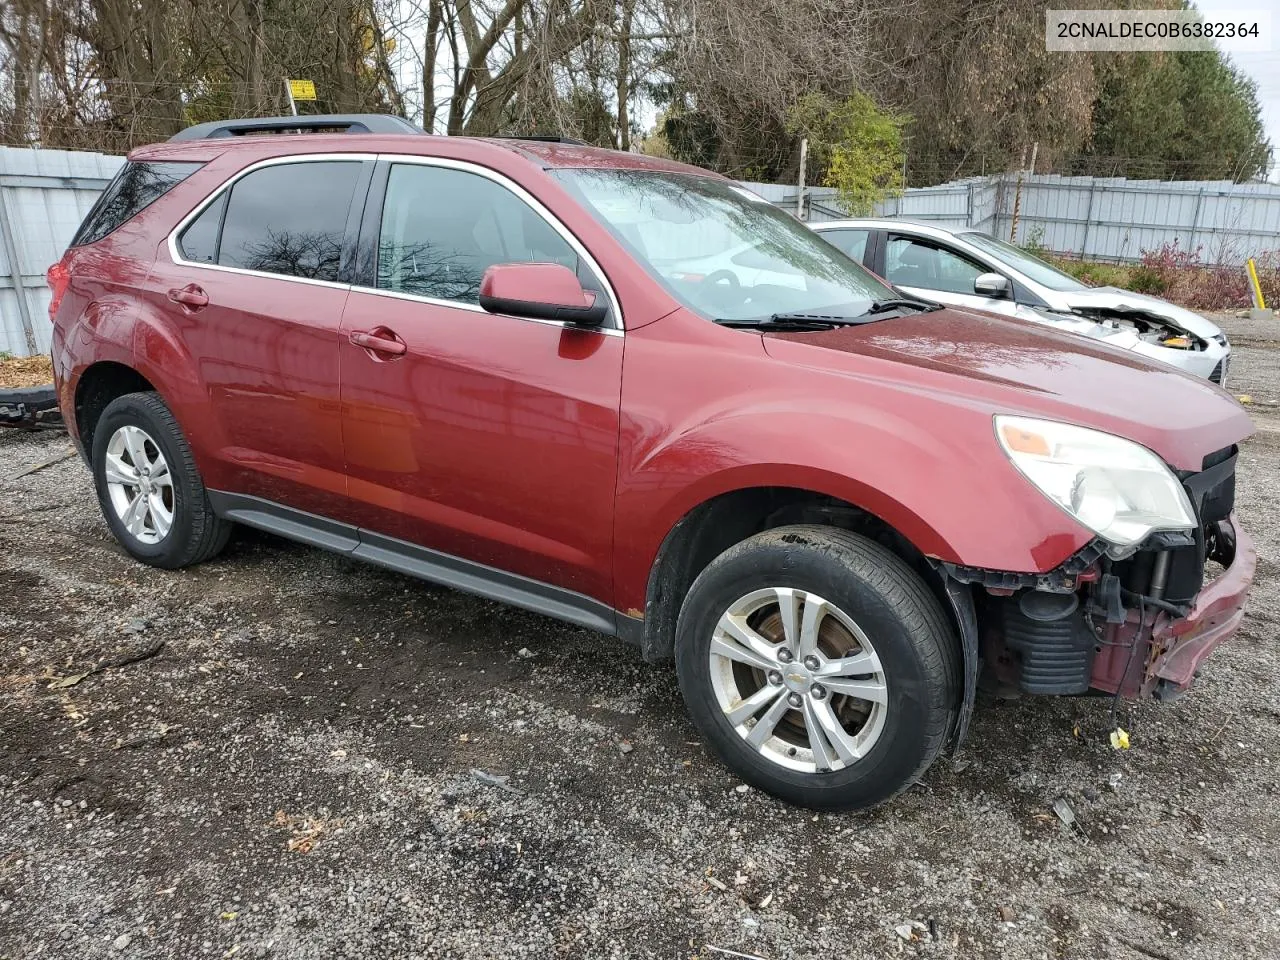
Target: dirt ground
284, 754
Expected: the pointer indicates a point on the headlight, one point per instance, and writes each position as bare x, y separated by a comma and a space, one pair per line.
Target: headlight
1118, 489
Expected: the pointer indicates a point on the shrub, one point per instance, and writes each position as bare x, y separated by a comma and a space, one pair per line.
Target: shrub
1187, 281
1143, 279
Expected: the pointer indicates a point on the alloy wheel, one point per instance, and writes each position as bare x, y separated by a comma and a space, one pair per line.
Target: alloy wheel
798, 680
139, 484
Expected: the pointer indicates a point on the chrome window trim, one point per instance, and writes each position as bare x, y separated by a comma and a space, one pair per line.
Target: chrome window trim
175, 251
534, 204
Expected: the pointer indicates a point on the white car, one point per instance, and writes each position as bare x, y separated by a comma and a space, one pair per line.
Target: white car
967, 268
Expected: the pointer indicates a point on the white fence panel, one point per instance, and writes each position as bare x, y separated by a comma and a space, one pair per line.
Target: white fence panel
1094, 218
44, 194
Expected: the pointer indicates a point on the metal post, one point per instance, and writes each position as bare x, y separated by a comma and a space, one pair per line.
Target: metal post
14, 256
288, 92
1195, 222
1017, 198
804, 154
1088, 218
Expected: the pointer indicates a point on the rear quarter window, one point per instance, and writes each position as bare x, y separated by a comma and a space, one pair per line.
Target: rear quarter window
135, 187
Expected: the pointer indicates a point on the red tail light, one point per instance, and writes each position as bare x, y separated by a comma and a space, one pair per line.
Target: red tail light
58, 277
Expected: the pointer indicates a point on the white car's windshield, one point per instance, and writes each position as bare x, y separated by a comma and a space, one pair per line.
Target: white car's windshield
720, 249
1026, 263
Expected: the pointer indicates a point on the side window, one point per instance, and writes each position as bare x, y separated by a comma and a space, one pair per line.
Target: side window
852, 242
912, 263
442, 228
199, 242
289, 219
136, 186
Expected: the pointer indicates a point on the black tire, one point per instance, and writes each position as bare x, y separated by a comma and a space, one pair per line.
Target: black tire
902, 618
197, 533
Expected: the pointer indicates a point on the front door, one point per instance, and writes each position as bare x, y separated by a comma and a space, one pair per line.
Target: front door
485, 437
937, 272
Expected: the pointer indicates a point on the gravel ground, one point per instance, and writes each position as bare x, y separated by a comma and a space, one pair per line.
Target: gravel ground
284, 754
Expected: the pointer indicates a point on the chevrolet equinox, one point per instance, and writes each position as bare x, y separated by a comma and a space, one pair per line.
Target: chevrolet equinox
504, 366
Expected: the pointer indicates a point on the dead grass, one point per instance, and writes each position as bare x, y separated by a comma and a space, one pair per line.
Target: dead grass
25, 371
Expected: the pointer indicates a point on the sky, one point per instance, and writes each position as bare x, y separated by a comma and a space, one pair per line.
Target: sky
1264, 69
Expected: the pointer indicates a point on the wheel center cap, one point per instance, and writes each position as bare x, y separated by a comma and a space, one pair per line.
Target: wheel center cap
797, 677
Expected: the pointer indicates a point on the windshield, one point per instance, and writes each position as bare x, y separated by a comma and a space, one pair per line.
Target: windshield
1026, 263
720, 249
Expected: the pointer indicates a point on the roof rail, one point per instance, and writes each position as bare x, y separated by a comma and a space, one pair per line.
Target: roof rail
546, 138
314, 123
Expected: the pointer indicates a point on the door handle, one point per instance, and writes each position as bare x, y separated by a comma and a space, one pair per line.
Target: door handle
379, 340
189, 296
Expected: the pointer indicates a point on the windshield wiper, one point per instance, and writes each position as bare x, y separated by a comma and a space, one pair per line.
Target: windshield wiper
902, 303
796, 321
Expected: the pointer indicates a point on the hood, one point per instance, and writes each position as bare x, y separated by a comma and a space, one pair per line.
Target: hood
1113, 298
1012, 366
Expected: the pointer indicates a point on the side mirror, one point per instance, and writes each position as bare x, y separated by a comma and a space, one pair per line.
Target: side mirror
540, 291
991, 285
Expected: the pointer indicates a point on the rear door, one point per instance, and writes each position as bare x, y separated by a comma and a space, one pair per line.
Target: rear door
255, 279
933, 270
485, 437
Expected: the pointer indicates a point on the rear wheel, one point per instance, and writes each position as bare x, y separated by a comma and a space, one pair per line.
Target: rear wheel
819, 666
148, 486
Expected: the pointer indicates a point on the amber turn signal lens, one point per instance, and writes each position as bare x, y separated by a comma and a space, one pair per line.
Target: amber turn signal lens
1023, 441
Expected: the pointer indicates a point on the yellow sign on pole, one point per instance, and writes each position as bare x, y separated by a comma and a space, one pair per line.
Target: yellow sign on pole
302, 89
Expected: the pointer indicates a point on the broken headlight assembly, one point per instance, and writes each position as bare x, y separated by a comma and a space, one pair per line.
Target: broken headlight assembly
1118, 489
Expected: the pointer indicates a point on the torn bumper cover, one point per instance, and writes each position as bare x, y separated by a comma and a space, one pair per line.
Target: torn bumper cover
1154, 653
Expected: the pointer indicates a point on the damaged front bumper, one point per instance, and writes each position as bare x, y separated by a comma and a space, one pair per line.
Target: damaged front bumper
1154, 653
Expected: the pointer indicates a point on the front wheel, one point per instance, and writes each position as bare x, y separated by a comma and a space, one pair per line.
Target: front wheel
819, 666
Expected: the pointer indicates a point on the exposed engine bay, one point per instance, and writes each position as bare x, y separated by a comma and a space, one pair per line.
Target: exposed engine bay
1135, 624
1145, 325
1123, 327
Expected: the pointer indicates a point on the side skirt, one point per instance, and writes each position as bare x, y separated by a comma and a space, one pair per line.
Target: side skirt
418, 561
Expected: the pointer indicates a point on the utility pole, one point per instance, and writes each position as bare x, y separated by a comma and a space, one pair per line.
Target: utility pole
804, 154
1017, 192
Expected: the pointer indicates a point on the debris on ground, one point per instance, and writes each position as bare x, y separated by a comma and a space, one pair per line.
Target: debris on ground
495, 780
305, 832
66, 454
25, 371
1064, 811
725, 952
915, 930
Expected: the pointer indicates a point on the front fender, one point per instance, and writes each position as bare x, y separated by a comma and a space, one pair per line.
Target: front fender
948, 490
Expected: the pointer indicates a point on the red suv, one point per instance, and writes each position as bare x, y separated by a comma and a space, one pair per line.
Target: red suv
632, 395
